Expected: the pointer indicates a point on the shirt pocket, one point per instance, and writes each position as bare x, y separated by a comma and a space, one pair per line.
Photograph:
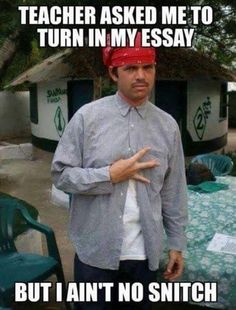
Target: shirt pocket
157, 174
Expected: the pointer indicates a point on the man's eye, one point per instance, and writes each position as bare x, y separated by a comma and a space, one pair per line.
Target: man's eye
149, 67
130, 69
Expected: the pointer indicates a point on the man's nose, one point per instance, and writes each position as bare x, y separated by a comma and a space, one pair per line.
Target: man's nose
140, 74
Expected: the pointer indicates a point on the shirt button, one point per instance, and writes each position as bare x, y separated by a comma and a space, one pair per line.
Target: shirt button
132, 125
120, 216
121, 194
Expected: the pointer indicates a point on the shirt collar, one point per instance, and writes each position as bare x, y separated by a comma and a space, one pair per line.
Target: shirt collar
125, 107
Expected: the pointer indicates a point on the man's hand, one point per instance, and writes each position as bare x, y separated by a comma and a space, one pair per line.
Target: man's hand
125, 169
175, 265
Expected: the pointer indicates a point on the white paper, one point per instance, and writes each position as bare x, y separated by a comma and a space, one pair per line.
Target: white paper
223, 243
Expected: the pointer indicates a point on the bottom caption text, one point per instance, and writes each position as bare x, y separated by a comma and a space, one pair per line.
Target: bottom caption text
88, 292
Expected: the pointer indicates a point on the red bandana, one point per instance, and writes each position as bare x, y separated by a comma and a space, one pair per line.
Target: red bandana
120, 56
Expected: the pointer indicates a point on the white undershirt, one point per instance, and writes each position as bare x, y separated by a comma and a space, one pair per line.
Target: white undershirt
133, 242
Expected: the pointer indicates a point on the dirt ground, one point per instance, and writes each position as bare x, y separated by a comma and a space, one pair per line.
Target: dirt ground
30, 180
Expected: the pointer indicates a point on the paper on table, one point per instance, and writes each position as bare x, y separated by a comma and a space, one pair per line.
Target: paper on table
222, 243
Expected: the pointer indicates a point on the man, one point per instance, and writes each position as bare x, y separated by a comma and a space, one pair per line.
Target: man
121, 159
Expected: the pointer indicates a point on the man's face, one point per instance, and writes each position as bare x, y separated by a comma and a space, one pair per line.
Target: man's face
135, 82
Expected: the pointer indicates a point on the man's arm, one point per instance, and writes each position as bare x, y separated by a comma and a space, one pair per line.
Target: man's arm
67, 169
174, 209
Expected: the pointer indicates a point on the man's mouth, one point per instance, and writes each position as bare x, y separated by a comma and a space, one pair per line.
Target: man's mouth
140, 85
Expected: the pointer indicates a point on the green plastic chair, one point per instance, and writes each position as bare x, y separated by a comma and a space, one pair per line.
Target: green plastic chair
219, 165
24, 267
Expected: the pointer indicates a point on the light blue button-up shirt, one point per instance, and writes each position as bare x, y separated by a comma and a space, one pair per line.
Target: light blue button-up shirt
100, 133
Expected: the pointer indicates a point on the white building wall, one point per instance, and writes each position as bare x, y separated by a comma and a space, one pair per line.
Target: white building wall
51, 96
14, 114
204, 127
231, 86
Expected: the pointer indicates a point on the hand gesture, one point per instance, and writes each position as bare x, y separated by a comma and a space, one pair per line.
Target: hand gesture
125, 169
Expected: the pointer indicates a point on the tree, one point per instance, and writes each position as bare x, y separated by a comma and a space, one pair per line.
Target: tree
218, 39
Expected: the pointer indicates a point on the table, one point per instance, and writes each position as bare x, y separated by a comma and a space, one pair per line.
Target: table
208, 214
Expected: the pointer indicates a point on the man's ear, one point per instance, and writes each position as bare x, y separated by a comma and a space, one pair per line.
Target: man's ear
113, 76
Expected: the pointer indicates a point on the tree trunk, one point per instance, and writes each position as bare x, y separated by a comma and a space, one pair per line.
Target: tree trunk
7, 51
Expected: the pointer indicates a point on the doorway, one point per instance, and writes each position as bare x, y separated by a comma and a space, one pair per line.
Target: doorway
79, 93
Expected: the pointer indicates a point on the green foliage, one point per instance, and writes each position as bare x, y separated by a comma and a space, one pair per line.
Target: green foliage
18, 65
9, 16
23, 61
218, 39
108, 88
